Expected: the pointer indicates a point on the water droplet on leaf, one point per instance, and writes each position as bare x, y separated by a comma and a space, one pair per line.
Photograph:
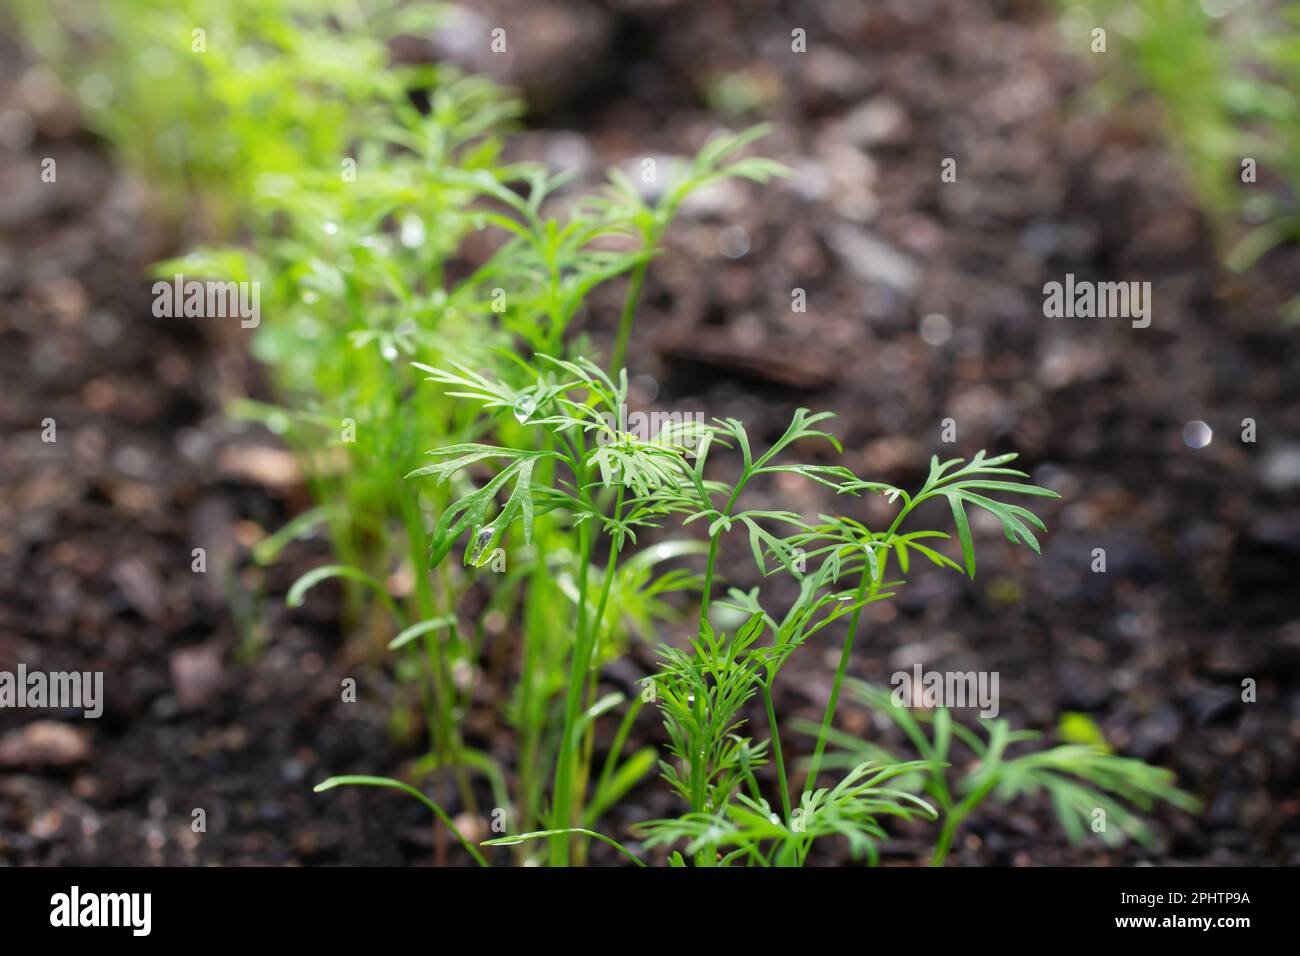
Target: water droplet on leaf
481, 540
524, 408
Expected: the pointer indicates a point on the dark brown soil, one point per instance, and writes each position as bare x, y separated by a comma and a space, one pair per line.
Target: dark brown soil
223, 700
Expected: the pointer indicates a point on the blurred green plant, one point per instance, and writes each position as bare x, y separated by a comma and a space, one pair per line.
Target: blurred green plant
353, 184
1226, 74
205, 97
1090, 789
338, 260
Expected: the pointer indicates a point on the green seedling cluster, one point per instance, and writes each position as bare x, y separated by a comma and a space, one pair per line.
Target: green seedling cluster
508, 490
354, 234
202, 98
612, 485
1225, 76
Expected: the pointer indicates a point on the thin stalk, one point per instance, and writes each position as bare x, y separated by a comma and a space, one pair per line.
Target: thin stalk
527, 680
708, 582
626, 317
589, 738
707, 855
698, 777
536, 662
956, 818
776, 749
707, 591
533, 669
616, 748
810, 781
864, 593
444, 732
563, 809
367, 781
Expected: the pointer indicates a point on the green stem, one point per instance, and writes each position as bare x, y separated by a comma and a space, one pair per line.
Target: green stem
810, 781
563, 809
539, 607
563, 815
619, 355
589, 738
531, 662
955, 818
444, 733
950, 824
707, 590
366, 781
708, 583
707, 855
776, 748
863, 596
616, 747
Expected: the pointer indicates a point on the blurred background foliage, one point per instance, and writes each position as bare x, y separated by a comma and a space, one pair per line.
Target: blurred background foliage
1225, 75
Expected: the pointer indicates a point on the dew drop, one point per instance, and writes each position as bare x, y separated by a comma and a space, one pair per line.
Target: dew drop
524, 408
481, 541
